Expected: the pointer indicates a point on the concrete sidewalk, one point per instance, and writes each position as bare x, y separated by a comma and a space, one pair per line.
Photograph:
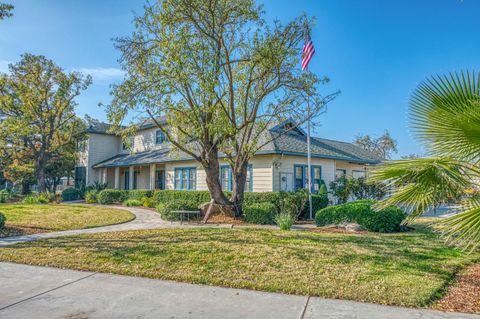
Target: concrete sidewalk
41, 292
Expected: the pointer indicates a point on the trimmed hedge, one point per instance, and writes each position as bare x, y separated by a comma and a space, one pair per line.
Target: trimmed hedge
260, 213
139, 194
132, 203
319, 201
385, 221
194, 198
91, 196
2, 220
165, 209
70, 194
112, 196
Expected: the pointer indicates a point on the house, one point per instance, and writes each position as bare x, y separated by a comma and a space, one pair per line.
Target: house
281, 165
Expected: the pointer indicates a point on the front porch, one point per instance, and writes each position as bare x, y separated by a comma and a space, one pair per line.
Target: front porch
133, 177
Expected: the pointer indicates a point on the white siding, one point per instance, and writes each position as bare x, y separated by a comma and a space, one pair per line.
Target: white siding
261, 169
99, 148
285, 164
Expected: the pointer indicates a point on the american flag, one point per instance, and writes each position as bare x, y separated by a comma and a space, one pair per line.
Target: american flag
307, 53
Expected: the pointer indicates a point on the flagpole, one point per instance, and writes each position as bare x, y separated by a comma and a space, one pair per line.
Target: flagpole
309, 160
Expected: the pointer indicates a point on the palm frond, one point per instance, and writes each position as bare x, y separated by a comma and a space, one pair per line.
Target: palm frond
463, 227
423, 183
445, 115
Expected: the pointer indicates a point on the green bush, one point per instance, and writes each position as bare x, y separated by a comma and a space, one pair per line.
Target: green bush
139, 194
148, 202
132, 203
111, 196
91, 196
2, 220
284, 220
319, 201
70, 194
40, 198
165, 209
385, 221
259, 213
195, 198
4, 196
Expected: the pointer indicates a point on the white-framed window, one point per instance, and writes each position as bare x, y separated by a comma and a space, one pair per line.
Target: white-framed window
359, 174
160, 137
340, 172
185, 178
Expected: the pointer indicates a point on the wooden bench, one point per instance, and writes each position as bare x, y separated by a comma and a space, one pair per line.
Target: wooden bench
186, 213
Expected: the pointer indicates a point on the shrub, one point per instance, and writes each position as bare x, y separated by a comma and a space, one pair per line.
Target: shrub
91, 196
264, 197
70, 194
40, 198
165, 209
139, 194
284, 220
132, 202
386, 221
4, 196
111, 196
319, 201
148, 202
260, 213
195, 198
2, 220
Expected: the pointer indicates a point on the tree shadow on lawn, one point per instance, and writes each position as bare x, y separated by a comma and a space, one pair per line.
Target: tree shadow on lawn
410, 255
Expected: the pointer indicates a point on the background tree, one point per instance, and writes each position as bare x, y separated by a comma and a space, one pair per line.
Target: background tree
383, 146
37, 100
5, 10
220, 75
445, 117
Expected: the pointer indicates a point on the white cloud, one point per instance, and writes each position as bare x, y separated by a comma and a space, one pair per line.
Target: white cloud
102, 73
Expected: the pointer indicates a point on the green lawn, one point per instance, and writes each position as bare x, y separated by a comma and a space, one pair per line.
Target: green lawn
408, 269
55, 217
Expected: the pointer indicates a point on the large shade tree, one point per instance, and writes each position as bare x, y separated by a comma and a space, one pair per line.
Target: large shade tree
37, 103
221, 75
5, 10
445, 117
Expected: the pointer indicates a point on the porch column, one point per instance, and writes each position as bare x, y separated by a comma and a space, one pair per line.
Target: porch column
100, 174
131, 170
152, 176
117, 177
104, 175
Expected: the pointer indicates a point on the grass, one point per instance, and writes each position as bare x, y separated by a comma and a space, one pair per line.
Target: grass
406, 269
56, 217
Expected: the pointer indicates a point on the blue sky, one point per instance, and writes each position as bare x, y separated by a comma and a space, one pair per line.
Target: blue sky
374, 51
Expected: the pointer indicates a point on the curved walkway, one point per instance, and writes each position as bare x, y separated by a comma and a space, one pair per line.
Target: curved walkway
144, 219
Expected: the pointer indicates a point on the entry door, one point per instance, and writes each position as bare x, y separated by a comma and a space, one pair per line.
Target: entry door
286, 182
160, 182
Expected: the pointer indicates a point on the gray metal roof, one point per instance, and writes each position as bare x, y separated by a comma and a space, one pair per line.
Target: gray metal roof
293, 143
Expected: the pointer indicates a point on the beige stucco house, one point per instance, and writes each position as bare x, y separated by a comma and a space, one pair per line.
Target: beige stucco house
150, 164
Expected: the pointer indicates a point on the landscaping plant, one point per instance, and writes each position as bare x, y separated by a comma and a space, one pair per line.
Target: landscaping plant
260, 213
132, 203
284, 220
444, 116
387, 220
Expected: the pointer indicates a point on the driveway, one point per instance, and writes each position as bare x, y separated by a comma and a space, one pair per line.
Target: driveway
41, 292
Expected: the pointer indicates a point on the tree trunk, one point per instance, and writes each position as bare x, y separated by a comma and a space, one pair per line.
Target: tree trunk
238, 189
40, 175
212, 170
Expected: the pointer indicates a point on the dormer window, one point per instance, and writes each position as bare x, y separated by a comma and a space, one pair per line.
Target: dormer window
160, 137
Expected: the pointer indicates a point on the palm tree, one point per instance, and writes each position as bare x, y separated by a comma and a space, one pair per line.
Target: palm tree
445, 118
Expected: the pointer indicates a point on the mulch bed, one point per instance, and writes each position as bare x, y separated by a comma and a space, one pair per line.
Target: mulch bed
464, 294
